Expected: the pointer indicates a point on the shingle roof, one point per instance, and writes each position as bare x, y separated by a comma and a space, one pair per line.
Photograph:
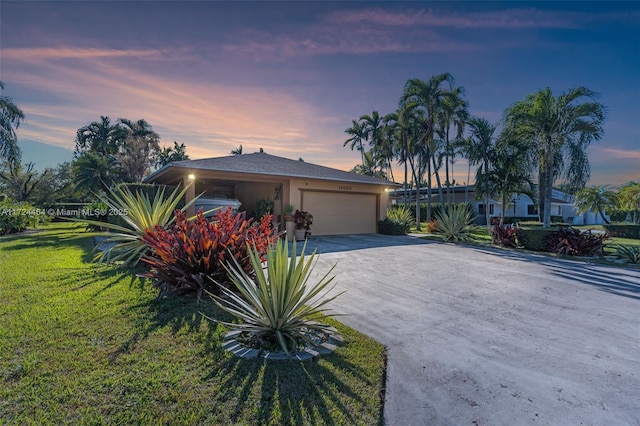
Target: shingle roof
266, 164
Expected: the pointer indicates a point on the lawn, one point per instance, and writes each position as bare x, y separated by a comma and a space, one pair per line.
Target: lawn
88, 344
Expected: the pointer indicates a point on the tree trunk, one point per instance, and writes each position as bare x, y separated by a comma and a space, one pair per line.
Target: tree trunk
546, 222
428, 191
437, 173
604, 219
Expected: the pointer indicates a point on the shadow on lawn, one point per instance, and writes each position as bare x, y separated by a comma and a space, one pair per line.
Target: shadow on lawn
611, 279
291, 392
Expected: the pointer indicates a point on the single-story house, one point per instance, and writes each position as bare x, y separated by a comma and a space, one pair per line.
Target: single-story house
520, 205
340, 202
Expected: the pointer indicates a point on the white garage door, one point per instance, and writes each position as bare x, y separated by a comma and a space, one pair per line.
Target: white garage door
336, 213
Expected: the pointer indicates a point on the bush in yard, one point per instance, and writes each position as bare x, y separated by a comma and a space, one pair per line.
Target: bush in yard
573, 242
630, 254
534, 238
398, 221
454, 222
277, 307
189, 256
15, 217
623, 230
504, 235
432, 226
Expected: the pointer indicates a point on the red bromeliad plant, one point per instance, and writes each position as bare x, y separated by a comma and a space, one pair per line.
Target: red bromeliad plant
189, 256
504, 235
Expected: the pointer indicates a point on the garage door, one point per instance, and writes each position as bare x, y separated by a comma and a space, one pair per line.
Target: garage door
337, 213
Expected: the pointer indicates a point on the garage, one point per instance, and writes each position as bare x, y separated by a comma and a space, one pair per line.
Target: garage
336, 213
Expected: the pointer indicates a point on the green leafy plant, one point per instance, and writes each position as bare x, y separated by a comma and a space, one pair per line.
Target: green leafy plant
504, 235
534, 238
289, 209
263, 208
279, 305
454, 222
387, 226
403, 215
15, 216
628, 253
189, 257
573, 242
139, 214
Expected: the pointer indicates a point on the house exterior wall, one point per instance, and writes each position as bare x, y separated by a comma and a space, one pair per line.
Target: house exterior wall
296, 188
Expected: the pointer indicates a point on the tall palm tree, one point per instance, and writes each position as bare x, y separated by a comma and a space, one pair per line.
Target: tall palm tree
92, 170
629, 198
356, 136
478, 150
559, 130
237, 151
372, 126
10, 118
101, 137
594, 198
168, 154
429, 97
371, 166
455, 112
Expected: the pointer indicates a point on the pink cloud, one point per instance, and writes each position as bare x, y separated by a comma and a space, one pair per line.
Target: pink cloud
623, 154
74, 53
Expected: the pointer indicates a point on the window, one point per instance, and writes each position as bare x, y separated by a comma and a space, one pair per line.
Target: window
491, 209
482, 209
532, 210
559, 211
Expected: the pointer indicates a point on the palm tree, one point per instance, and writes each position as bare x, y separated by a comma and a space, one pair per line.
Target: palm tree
455, 113
10, 118
559, 130
91, 169
594, 198
629, 198
100, 137
478, 149
168, 155
356, 136
429, 97
237, 151
371, 166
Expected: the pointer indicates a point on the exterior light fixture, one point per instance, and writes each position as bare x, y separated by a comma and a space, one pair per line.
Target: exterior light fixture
191, 176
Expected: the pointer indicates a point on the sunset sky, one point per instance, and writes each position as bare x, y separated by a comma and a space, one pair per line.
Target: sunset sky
290, 76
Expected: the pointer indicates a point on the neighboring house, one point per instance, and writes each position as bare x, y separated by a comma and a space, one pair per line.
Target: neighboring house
340, 202
518, 206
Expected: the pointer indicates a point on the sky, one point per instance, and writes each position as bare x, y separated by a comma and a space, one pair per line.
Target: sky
289, 77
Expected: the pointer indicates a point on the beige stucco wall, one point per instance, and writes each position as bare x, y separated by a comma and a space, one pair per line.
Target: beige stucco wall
296, 187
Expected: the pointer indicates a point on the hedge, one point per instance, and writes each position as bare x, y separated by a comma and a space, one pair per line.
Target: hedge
534, 238
624, 231
391, 227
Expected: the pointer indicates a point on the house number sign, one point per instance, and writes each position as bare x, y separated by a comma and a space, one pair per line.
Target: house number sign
344, 188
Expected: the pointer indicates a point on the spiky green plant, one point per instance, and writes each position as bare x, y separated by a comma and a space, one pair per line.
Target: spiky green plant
401, 214
279, 305
453, 224
629, 253
139, 213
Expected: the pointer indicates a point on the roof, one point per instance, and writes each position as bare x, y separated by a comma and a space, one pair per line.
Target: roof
266, 164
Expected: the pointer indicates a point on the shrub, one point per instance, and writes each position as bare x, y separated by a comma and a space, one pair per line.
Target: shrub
628, 253
432, 226
573, 242
189, 257
504, 235
391, 227
15, 216
624, 231
398, 221
454, 223
276, 308
139, 213
534, 238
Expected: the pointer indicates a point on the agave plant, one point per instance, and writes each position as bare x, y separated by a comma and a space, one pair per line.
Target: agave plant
454, 222
403, 215
629, 253
280, 303
139, 213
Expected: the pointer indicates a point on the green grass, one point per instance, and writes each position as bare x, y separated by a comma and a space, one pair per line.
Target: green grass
88, 344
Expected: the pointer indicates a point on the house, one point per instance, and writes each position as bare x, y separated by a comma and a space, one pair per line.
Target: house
340, 202
520, 205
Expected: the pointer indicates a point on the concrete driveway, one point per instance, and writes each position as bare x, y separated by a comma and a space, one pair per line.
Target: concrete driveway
478, 336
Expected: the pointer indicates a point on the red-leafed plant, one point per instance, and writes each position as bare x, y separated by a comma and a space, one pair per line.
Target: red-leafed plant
189, 256
573, 242
504, 235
